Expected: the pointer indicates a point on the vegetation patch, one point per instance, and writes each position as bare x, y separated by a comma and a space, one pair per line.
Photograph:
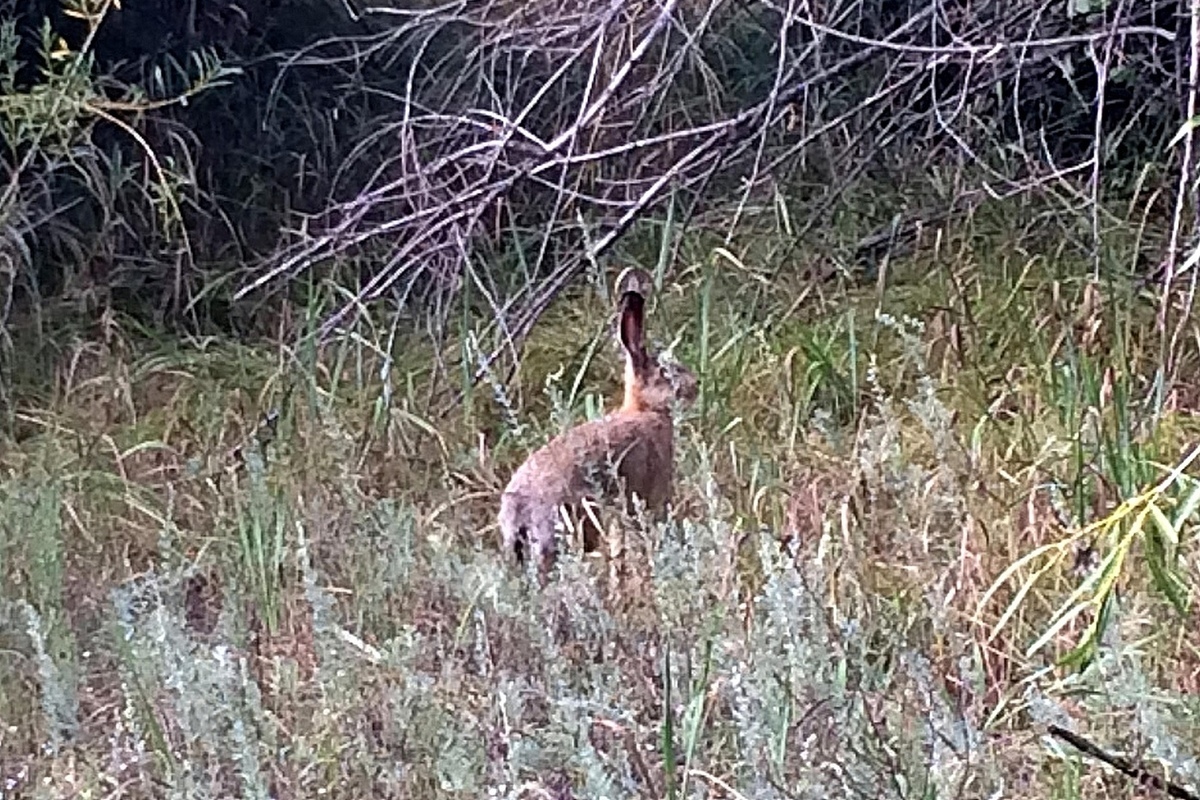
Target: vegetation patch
282, 307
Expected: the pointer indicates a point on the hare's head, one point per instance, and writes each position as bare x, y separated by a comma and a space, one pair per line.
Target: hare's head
651, 383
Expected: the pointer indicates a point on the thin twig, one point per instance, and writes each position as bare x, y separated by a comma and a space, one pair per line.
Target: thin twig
1126, 767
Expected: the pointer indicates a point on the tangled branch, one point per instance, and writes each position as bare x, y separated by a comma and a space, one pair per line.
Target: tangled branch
518, 128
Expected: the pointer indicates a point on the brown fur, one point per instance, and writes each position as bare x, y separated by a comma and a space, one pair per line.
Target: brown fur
637, 439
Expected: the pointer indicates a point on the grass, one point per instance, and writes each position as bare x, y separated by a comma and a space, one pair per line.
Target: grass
259, 569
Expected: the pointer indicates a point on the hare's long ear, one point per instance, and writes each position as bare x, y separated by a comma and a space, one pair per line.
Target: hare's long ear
633, 310
637, 360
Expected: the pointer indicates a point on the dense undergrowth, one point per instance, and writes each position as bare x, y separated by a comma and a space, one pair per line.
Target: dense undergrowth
269, 568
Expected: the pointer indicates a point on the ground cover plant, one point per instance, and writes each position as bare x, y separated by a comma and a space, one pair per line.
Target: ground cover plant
229, 573
936, 499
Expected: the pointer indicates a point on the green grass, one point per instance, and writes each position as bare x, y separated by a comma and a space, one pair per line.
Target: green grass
261, 569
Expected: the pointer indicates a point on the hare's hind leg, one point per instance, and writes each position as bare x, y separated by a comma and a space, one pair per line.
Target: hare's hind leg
591, 525
602, 536
582, 526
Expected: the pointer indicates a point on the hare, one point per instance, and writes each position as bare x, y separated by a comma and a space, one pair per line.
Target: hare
636, 442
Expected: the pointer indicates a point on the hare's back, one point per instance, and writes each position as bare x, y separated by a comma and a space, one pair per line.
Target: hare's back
568, 467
